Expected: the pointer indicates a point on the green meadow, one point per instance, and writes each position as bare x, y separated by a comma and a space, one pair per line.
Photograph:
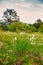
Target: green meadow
21, 48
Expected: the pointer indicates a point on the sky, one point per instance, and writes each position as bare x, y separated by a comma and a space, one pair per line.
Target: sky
28, 10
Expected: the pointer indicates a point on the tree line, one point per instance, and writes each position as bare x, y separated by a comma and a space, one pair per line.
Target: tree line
12, 23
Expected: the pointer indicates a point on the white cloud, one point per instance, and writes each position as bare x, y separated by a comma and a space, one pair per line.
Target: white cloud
22, 0
28, 12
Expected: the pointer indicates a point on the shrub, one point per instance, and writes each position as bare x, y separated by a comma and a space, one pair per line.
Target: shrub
41, 28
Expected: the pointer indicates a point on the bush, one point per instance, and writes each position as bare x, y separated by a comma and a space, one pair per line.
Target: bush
17, 26
41, 28
11, 28
31, 28
4, 27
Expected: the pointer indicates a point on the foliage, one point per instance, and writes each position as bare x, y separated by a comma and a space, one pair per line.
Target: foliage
37, 23
20, 51
41, 28
32, 28
17, 26
10, 15
12, 23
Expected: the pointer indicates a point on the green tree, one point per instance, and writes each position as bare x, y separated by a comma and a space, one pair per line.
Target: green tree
41, 28
10, 15
37, 23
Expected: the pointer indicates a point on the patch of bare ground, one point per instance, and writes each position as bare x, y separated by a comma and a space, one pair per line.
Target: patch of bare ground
18, 62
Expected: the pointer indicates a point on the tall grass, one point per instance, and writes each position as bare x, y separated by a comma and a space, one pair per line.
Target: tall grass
14, 46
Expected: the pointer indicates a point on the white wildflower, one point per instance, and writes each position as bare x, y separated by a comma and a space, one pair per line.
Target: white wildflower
22, 33
9, 50
15, 38
32, 38
40, 44
1, 44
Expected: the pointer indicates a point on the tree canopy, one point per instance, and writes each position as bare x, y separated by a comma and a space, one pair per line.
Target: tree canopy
10, 15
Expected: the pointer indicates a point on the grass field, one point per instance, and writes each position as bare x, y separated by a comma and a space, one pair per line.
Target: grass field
21, 48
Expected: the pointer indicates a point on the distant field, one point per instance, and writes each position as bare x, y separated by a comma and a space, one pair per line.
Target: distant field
21, 48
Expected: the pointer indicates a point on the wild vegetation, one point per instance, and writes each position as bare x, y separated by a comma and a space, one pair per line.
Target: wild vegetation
21, 48
17, 26
20, 43
12, 23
